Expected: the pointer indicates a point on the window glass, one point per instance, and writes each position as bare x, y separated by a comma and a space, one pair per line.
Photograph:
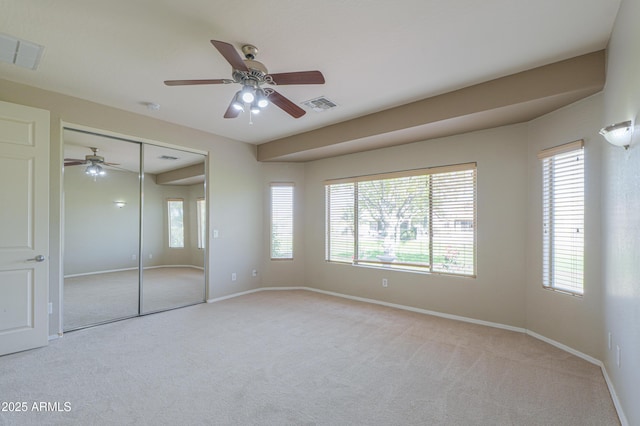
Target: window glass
415, 220
176, 223
201, 209
282, 221
563, 221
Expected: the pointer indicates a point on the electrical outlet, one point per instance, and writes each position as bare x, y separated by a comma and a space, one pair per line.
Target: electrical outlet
233, 276
618, 356
215, 233
609, 340
385, 282
254, 273
150, 256
134, 257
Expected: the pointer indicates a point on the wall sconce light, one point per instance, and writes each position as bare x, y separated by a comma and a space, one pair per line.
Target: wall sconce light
120, 204
618, 134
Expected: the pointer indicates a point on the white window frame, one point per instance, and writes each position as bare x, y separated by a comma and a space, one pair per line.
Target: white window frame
281, 220
563, 217
347, 236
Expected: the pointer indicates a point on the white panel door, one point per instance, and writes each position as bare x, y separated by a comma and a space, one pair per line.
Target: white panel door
24, 227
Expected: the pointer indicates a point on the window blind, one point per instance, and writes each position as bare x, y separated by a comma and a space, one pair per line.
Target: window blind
201, 217
340, 214
563, 218
282, 221
175, 207
453, 224
416, 220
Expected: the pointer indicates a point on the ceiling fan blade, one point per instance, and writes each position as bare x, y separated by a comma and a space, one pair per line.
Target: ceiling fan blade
285, 104
230, 54
111, 164
115, 166
192, 82
73, 163
75, 159
301, 77
231, 111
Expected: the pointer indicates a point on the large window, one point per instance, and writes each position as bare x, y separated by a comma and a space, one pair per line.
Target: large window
176, 222
563, 217
421, 220
282, 221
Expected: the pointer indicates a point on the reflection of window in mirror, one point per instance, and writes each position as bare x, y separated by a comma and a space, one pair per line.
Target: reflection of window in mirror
176, 222
202, 222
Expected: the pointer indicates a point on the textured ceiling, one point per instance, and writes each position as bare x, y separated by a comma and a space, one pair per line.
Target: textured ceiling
374, 55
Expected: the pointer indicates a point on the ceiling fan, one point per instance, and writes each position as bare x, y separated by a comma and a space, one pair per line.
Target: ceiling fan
94, 161
252, 74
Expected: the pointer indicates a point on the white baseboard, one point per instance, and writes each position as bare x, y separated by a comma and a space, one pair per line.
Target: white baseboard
565, 348
375, 302
614, 396
588, 358
419, 310
132, 269
231, 296
98, 272
173, 266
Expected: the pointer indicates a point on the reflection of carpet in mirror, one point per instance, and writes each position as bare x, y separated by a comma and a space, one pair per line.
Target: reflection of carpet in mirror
96, 298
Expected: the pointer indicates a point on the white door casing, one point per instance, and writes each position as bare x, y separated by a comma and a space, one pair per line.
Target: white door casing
24, 227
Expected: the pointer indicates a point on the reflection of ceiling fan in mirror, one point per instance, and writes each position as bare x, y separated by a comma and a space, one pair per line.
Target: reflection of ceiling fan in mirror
251, 75
94, 163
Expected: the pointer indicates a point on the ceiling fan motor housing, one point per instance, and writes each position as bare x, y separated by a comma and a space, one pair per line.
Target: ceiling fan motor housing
94, 158
250, 51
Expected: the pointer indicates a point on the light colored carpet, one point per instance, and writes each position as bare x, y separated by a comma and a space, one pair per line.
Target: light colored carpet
301, 358
91, 299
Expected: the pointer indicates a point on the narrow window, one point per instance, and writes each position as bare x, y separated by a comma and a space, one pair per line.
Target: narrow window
282, 221
563, 217
201, 209
176, 222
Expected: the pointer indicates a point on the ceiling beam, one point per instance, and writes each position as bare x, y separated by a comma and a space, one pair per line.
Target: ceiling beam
188, 175
512, 99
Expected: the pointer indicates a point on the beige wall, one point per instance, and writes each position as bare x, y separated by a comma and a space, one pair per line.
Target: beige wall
99, 236
620, 213
234, 191
573, 321
285, 273
156, 231
497, 294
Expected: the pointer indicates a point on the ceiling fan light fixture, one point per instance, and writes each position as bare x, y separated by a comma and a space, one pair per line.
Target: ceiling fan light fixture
254, 108
261, 99
237, 103
94, 170
248, 94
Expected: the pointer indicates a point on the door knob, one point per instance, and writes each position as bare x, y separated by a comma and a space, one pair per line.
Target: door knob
38, 258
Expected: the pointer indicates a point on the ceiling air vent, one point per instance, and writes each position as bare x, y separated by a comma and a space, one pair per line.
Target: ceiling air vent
320, 104
20, 52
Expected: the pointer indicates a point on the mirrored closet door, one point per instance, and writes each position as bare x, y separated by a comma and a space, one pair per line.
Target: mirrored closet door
101, 232
174, 229
123, 256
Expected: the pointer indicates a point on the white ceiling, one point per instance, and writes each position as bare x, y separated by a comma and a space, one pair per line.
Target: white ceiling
374, 54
